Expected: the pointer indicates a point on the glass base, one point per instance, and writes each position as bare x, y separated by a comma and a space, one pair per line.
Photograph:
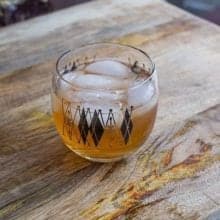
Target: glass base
99, 159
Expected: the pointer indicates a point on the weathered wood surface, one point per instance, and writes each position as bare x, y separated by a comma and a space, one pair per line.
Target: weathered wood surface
175, 175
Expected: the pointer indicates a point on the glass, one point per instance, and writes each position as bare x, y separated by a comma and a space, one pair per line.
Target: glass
104, 100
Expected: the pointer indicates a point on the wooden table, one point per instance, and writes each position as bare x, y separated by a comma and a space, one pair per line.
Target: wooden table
175, 175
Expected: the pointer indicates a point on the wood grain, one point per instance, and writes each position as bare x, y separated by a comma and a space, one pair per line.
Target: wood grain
176, 171
175, 175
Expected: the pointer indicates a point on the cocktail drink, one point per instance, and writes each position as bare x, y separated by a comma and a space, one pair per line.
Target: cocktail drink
104, 100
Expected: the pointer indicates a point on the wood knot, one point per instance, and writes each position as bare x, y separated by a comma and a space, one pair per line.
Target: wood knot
204, 147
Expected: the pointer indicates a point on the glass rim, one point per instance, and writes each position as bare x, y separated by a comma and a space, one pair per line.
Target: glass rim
152, 71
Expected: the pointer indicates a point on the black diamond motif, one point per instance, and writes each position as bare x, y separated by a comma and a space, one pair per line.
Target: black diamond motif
126, 126
83, 126
96, 128
67, 116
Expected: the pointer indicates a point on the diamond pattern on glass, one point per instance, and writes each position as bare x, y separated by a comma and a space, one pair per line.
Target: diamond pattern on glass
96, 128
111, 119
126, 126
75, 124
83, 126
80, 122
67, 120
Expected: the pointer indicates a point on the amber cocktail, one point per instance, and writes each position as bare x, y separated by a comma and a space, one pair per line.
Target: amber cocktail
104, 100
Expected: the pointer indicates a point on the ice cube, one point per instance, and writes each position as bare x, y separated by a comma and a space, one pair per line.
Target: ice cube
69, 78
65, 86
109, 68
141, 95
93, 81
